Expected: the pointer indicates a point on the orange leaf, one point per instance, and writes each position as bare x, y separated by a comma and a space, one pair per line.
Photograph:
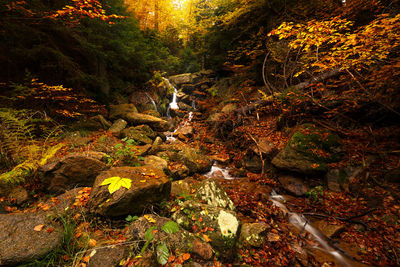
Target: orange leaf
51, 229
186, 256
86, 258
77, 235
92, 242
38, 227
206, 238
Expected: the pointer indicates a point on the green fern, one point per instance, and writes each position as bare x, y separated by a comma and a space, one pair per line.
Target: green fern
15, 133
18, 146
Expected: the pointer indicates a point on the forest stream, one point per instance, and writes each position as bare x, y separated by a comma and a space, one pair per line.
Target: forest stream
199, 133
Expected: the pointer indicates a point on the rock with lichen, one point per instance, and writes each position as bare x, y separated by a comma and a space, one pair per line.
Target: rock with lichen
218, 226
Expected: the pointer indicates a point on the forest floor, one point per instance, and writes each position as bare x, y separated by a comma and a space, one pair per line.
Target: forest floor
367, 213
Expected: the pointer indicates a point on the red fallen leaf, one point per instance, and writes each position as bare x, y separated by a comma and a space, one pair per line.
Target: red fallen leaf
51, 229
65, 257
8, 208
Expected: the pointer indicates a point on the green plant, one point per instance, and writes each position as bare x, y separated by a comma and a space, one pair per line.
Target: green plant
162, 250
127, 152
129, 219
315, 194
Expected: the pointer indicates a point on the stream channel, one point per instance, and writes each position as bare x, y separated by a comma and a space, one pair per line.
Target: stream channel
298, 221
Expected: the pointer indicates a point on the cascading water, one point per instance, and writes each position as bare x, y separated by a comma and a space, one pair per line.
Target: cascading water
152, 101
174, 103
298, 221
217, 170
302, 224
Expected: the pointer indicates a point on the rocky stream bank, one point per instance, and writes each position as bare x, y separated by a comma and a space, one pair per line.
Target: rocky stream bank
154, 184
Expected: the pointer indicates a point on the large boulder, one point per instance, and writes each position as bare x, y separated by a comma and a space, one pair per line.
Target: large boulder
136, 134
120, 111
24, 239
108, 256
72, 171
156, 162
211, 192
221, 226
194, 159
181, 79
154, 122
309, 150
149, 186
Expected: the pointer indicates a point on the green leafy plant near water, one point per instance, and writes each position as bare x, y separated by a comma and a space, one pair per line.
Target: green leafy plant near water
316, 194
162, 250
127, 152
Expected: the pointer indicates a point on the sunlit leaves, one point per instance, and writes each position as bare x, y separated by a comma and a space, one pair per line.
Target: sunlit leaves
116, 183
333, 43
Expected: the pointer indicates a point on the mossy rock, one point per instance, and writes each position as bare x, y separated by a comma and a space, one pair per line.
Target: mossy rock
221, 226
309, 150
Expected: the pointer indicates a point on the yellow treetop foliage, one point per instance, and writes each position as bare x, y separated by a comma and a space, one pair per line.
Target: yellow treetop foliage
333, 43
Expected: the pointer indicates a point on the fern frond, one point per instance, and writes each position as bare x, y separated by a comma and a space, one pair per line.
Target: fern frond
19, 173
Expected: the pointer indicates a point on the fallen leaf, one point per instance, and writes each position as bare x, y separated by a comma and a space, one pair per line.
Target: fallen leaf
186, 256
92, 242
38, 227
51, 229
149, 218
86, 258
206, 238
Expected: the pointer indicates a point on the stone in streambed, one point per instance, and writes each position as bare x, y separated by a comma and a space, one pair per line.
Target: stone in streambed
72, 171
293, 185
118, 126
253, 234
220, 226
120, 111
20, 243
309, 150
154, 122
149, 186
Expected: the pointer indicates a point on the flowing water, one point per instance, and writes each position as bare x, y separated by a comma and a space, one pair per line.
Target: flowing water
301, 223
298, 221
219, 171
174, 103
152, 101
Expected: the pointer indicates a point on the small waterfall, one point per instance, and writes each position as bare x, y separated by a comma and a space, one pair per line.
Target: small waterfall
194, 104
302, 224
174, 103
152, 101
215, 169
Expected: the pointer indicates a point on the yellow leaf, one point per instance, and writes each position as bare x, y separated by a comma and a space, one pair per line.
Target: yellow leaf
116, 182
149, 218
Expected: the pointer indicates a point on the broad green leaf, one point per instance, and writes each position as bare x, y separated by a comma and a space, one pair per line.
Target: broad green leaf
116, 182
162, 253
170, 227
149, 234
